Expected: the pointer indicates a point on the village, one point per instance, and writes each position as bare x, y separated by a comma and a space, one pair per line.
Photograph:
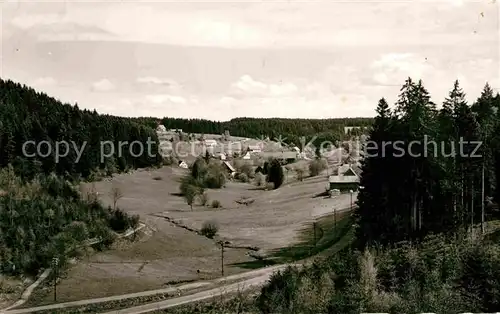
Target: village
345, 163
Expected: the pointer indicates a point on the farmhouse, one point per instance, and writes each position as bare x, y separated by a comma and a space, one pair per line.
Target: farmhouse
347, 129
161, 128
349, 170
345, 180
255, 148
229, 168
183, 164
210, 143
285, 157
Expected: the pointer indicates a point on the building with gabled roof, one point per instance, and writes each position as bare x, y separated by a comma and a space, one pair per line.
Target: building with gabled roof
346, 179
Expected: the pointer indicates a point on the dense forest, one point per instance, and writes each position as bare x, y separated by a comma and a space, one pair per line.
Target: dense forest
42, 213
425, 236
407, 197
27, 115
290, 130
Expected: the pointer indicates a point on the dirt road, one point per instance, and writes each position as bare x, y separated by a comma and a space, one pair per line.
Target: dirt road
249, 279
203, 295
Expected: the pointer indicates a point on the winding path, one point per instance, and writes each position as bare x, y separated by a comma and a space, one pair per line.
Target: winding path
27, 293
249, 279
245, 281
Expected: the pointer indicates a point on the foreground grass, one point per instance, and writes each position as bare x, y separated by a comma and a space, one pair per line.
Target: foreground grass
331, 235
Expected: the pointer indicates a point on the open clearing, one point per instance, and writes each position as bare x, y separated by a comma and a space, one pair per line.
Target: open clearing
167, 254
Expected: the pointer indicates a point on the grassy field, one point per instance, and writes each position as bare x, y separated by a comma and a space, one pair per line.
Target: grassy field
167, 254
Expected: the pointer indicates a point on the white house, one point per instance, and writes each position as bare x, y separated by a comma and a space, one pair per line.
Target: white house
247, 156
350, 128
255, 148
210, 143
161, 128
183, 164
221, 156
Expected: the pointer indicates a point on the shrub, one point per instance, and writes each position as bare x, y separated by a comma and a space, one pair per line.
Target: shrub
260, 179
215, 178
199, 169
203, 199
242, 177
275, 173
157, 178
300, 174
168, 161
209, 229
246, 169
216, 204
316, 166
119, 220
190, 194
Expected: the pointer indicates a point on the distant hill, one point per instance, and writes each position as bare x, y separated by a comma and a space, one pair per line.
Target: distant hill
27, 115
290, 130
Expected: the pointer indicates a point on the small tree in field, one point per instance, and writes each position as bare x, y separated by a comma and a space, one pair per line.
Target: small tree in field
190, 194
275, 175
300, 174
116, 194
209, 229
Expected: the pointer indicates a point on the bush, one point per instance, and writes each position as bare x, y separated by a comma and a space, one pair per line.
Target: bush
275, 174
246, 169
190, 194
300, 174
242, 177
203, 199
157, 178
316, 166
168, 161
119, 220
216, 204
209, 229
260, 179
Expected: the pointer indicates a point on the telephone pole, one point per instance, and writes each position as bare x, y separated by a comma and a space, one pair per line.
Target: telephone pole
314, 228
55, 263
222, 257
482, 203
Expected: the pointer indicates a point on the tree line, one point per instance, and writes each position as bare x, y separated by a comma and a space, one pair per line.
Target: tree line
411, 248
407, 197
290, 130
28, 115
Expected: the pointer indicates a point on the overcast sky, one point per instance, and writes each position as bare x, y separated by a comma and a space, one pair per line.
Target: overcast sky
220, 60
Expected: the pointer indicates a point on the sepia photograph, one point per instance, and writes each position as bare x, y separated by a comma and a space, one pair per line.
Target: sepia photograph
249, 156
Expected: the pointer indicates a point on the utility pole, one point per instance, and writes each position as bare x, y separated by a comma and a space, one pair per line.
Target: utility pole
482, 203
222, 257
314, 231
335, 220
55, 263
351, 191
472, 209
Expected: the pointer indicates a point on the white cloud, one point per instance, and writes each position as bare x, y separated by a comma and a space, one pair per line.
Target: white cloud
155, 81
103, 85
164, 98
247, 86
44, 81
394, 68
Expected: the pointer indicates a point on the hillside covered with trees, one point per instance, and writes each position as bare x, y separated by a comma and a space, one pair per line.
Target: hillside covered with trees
420, 244
27, 115
290, 130
43, 214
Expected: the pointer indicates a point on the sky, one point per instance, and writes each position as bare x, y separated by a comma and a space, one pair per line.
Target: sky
226, 59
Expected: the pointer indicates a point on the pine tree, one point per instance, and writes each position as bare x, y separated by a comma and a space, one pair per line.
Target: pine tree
275, 173
373, 216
